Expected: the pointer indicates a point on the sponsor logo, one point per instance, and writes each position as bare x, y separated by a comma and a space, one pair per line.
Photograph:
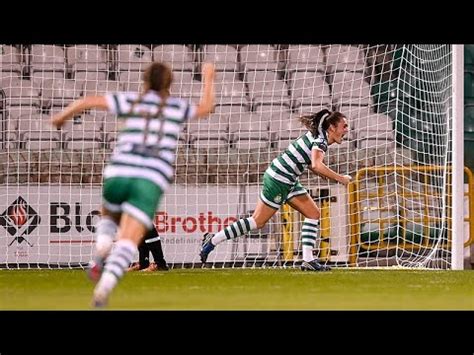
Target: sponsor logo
20, 219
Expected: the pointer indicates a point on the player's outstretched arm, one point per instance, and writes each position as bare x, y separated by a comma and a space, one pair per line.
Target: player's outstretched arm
78, 106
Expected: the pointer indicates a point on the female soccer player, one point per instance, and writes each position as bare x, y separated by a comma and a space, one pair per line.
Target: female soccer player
281, 184
141, 167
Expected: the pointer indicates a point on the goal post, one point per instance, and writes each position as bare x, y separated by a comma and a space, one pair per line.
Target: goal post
404, 150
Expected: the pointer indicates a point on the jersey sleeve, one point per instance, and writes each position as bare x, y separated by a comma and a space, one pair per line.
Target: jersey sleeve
117, 103
320, 144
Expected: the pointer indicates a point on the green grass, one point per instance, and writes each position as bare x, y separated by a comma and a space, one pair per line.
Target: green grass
245, 289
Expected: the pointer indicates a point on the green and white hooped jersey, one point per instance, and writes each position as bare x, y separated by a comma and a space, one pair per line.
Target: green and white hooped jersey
153, 160
290, 164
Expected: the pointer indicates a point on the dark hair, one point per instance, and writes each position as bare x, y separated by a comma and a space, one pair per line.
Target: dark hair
311, 122
159, 77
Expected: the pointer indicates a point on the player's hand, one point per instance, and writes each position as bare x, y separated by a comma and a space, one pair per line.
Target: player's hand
58, 120
346, 179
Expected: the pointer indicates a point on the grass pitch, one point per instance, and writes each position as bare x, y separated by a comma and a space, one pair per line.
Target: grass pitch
244, 289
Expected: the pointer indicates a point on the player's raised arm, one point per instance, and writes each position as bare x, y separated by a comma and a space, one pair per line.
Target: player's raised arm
78, 106
206, 105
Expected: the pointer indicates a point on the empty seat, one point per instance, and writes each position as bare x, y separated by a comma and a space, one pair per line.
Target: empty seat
353, 112
11, 59
374, 122
286, 130
84, 132
7, 77
230, 93
350, 89
185, 86
12, 132
101, 87
22, 93
212, 132
37, 133
376, 139
250, 131
234, 109
224, 57
344, 58
266, 89
131, 80
134, 57
88, 62
305, 58
14, 112
60, 92
260, 57
111, 126
47, 62
180, 57
309, 89
276, 115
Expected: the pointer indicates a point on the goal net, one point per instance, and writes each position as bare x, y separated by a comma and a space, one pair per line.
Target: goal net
396, 212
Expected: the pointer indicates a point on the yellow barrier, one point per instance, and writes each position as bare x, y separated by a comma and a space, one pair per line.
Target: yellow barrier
380, 174
287, 231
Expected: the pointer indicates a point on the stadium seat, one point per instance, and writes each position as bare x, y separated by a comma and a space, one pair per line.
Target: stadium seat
84, 132
350, 88
60, 92
249, 131
88, 62
37, 133
306, 58
133, 57
373, 122
47, 62
286, 130
260, 57
266, 89
344, 58
179, 57
11, 59
101, 87
212, 132
185, 86
224, 57
231, 94
309, 89
22, 93
130, 80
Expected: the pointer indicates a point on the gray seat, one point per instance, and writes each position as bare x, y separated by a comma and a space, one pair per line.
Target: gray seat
344, 58
266, 89
305, 58
224, 57
133, 57
180, 57
260, 57
309, 89
47, 62
88, 62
